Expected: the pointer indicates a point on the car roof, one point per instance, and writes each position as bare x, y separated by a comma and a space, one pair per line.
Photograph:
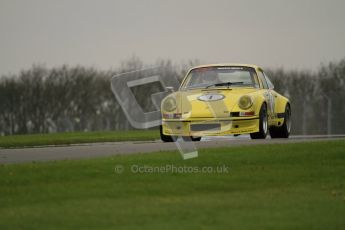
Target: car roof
227, 64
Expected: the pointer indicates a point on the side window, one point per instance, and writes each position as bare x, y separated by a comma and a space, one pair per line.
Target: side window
269, 83
262, 79
255, 79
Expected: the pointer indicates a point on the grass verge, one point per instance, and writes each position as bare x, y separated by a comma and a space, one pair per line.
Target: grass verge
278, 186
16, 141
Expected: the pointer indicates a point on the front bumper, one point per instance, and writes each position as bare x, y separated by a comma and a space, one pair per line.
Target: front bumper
210, 127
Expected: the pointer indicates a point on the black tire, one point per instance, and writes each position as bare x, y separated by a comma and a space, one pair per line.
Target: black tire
263, 124
166, 138
186, 138
284, 130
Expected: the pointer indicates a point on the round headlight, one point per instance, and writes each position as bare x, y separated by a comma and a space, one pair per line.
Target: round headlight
169, 104
245, 102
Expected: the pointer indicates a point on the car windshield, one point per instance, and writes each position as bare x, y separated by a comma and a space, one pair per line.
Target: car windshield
223, 76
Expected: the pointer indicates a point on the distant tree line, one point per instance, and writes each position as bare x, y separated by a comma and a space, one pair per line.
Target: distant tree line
44, 100
317, 98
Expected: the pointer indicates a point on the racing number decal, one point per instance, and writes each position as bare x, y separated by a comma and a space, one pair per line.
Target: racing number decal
271, 103
272, 99
267, 85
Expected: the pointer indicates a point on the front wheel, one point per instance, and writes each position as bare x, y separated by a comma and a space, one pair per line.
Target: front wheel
284, 130
166, 138
191, 138
263, 124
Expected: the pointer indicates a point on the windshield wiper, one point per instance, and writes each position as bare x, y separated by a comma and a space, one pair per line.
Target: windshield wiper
228, 84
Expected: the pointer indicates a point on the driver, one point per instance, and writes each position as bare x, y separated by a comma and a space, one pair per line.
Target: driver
209, 77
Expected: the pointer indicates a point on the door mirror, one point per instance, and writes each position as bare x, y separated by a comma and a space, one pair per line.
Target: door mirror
170, 89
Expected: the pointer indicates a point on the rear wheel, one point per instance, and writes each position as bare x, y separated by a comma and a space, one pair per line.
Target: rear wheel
166, 138
263, 124
284, 130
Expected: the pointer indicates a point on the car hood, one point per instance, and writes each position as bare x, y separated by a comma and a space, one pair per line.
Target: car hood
190, 105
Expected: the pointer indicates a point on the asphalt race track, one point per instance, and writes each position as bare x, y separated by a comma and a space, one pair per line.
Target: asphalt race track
79, 151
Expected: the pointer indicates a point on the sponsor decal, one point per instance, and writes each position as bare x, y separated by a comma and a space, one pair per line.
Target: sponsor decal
211, 97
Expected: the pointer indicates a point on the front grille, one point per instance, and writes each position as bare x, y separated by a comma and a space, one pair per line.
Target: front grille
234, 114
205, 127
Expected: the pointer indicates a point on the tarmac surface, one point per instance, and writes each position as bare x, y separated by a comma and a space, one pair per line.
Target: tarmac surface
81, 151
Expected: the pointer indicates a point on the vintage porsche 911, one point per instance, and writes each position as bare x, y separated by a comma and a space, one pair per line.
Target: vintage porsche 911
225, 99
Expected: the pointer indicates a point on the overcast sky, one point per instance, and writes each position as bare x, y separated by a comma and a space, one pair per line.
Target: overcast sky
99, 33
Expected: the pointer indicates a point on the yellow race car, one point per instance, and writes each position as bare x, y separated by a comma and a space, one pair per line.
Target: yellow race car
225, 99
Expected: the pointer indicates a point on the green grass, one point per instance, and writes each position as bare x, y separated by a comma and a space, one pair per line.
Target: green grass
277, 186
76, 138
